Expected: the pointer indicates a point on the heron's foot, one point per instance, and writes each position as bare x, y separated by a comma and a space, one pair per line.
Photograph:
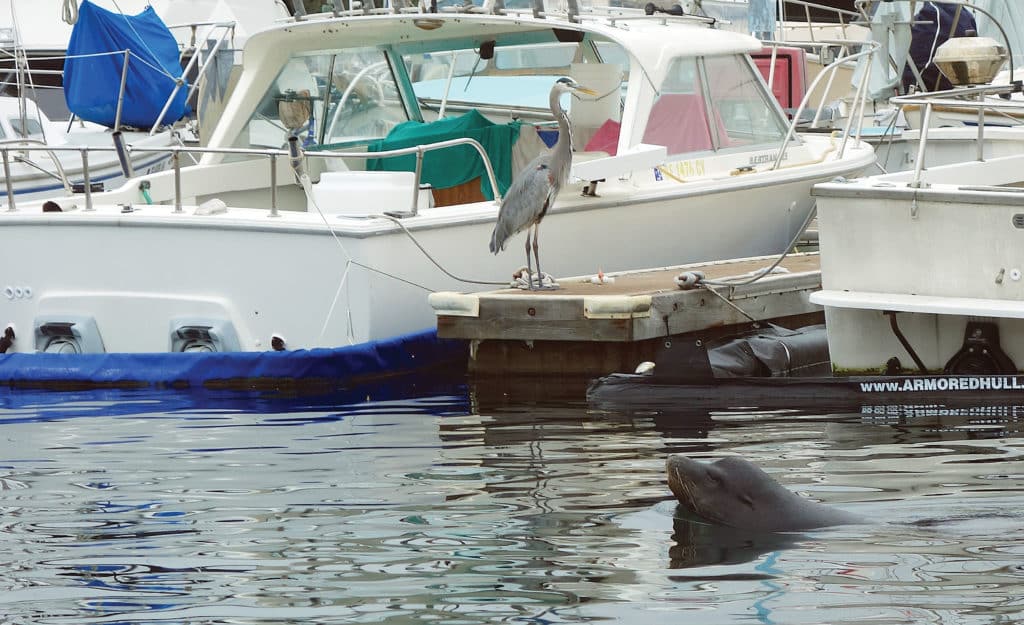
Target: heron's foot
545, 282
536, 282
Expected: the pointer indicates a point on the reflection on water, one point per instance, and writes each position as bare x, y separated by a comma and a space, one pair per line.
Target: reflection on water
438, 500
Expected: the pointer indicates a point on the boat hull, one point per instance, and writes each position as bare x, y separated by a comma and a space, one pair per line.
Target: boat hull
134, 277
921, 263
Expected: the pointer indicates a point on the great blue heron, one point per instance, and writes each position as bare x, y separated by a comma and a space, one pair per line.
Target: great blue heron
536, 186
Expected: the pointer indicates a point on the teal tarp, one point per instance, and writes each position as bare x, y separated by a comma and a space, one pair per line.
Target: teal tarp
455, 165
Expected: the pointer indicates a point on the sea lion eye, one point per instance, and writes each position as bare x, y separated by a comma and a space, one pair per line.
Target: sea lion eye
747, 500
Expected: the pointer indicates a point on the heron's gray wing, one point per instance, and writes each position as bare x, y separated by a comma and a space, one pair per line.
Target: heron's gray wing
524, 203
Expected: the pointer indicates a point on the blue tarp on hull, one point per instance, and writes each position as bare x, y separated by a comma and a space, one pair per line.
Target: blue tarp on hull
327, 366
92, 83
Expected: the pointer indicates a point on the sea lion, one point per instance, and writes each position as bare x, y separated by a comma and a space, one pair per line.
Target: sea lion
734, 492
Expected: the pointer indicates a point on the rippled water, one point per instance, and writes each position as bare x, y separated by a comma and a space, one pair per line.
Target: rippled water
462, 502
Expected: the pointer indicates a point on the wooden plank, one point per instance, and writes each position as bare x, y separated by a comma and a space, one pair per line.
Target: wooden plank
588, 359
562, 315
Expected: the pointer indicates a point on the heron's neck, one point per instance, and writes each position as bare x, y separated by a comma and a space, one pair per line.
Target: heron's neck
564, 142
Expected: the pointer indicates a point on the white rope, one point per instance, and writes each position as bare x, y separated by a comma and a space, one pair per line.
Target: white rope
69, 12
334, 303
433, 260
520, 280
137, 34
307, 187
119, 53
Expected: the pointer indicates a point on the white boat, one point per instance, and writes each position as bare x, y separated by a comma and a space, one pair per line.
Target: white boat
920, 269
40, 174
33, 50
251, 250
36, 33
34, 110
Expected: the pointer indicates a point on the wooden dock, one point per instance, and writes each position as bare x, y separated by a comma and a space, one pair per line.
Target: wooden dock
590, 329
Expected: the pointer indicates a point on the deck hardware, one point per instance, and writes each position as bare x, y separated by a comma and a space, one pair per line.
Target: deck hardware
893, 366
176, 163
980, 353
7, 179
123, 154
273, 185
86, 183
903, 340
68, 334
7, 339
198, 335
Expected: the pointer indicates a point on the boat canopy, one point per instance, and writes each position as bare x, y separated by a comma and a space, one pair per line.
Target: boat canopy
95, 61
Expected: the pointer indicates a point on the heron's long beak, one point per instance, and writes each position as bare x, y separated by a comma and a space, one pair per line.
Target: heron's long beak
585, 90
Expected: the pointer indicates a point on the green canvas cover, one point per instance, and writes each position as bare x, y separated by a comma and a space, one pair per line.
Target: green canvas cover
455, 165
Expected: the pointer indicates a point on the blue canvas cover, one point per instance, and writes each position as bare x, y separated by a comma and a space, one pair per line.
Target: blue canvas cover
91, 83
337, 366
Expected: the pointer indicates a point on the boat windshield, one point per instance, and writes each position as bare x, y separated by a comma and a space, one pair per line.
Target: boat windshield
510, 77
713, 103
336, 98
26, 128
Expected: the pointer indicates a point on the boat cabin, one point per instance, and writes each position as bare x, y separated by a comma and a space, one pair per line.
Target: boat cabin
435, 77
21, 119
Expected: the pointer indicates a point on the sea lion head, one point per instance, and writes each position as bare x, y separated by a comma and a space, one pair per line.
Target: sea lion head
719, 491
736, 493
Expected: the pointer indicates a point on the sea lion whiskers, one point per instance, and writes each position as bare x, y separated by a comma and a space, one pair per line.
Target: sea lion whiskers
684, 488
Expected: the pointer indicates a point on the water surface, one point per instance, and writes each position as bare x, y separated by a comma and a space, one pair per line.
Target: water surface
456, 501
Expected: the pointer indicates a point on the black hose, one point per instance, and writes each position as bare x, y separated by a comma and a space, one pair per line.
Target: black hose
904, 342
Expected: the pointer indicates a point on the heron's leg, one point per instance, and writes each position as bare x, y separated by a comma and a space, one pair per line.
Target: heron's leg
529, 267
536, 256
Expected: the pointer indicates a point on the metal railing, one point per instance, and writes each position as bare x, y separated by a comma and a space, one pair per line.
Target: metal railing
960, 97
218, 33
859, 101
19, 144
295, 154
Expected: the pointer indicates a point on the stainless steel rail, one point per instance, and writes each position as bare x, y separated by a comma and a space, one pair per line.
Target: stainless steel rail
959, 97
272, 155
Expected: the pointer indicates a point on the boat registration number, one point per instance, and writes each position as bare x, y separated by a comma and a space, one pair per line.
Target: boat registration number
685, 169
